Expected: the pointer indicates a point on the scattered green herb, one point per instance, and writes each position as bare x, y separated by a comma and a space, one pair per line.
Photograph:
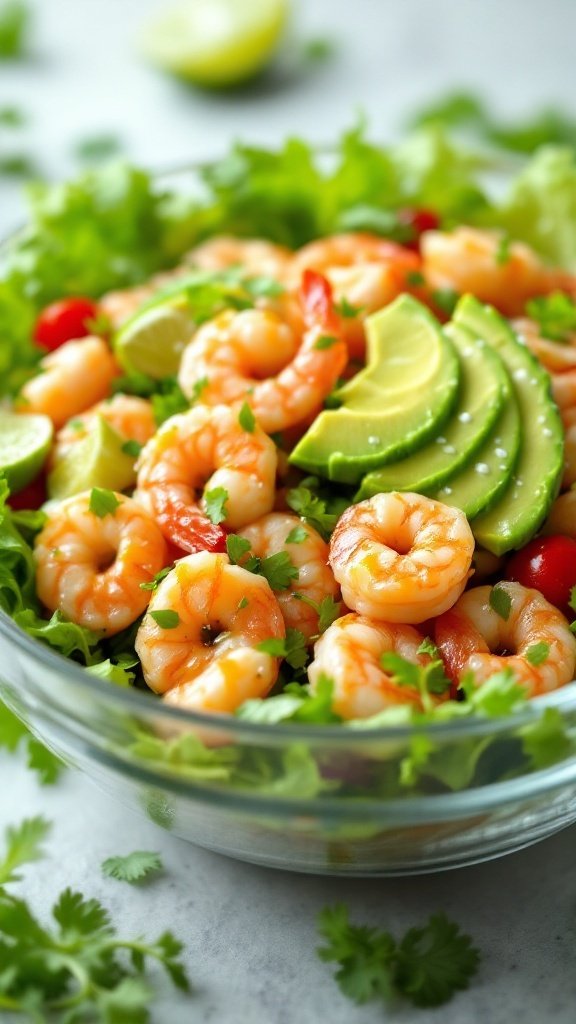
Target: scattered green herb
427, 966
132, 448
537, 654
103, 503
166, 618
154, 583
326, 341
555, 314
246, 418
296, 536
14, 25
500, 601
215, 504
292, 648
134, 867
97, 148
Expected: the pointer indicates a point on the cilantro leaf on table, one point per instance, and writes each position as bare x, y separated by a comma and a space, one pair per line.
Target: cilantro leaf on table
434, 962
428, 966
134, 867
77, 966
23, 846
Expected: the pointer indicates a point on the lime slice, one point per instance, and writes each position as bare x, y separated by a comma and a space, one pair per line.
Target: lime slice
216, 43
152, 342
97, 460
24, 445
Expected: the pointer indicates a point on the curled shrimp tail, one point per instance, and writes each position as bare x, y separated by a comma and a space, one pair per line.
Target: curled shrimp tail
318, 301
188, 527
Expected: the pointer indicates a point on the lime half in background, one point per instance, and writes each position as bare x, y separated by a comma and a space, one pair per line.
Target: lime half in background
152, 342
216, 43
25, 441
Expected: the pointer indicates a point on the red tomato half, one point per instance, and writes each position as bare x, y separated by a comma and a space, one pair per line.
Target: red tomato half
419, 220
64, 321
549, 565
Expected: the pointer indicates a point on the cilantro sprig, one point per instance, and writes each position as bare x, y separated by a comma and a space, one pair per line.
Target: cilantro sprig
427, 966
133, 867
429, 679
76, 965
555, 315
278, 569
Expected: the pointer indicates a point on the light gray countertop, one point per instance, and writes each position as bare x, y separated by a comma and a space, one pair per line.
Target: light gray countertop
249, 932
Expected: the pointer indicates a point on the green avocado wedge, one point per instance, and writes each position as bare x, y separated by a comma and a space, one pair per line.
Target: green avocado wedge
480, 484
522, 507
484, 386
393, 406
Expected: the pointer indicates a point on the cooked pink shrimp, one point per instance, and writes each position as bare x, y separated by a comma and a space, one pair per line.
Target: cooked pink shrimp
472, 260
555, 356
73, 378
130, 416
469, 632
256, 256
228, 357
207, 660
401, 557
208, 448
90, 567
349, 653
564, 389
366, 271
562, 516
308, 554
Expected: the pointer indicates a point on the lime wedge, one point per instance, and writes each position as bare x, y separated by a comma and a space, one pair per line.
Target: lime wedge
152, 342
97, 460
24, 445
216, 43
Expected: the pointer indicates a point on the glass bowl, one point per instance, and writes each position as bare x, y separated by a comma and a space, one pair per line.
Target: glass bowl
323, 799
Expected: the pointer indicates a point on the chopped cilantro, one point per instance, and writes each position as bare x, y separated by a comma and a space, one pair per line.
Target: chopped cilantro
537, 654
132, 447
292, 647
264, 287
346, 309
246, 418
134, 867
200, 385
168, 400
215, 504
97, 147
328, 611
153, 583
429, 647
279, 570
23, 846
427, 966
445, 299
12, 117
237, 547
313, 508
103, 503
415, 278
166, 618
243, 603
500, 601
427, 679
555, 314
326, 341
297, 535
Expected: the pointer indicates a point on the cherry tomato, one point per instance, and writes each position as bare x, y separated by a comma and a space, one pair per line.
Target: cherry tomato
549, 565
30, 497
63, 321
419, 220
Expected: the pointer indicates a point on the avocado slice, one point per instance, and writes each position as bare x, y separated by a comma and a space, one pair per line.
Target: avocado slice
484, 385
97, 460
480, 484
524, 504
394, 405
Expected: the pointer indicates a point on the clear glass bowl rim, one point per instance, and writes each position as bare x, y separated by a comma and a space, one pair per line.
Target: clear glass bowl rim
136, 701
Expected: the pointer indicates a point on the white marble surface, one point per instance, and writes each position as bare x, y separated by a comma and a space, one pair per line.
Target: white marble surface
250, 933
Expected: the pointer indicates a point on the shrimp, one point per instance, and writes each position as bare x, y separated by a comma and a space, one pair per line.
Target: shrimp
228, 357
471, 635
255, 255
90, 567
564, 389
401, 557
206, 446
472, 260
308, 552
73, 378
365, 271
130, 416
209, 660
562, 516
349, 653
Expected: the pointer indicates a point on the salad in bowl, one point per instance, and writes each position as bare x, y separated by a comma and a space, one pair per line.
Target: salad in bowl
288, 534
